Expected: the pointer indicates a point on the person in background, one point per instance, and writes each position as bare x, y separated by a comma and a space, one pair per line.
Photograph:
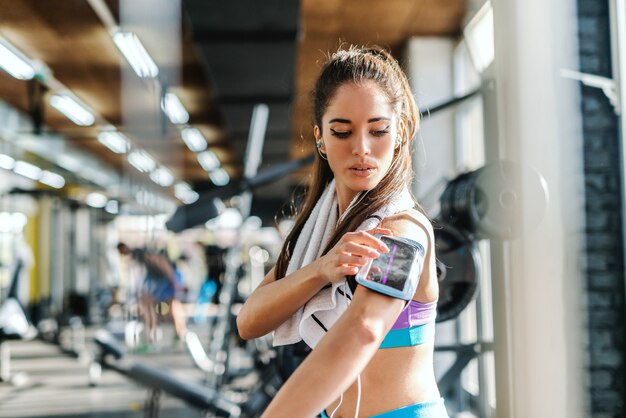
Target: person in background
158, 291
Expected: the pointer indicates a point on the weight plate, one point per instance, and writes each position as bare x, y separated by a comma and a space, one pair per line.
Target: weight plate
458, 269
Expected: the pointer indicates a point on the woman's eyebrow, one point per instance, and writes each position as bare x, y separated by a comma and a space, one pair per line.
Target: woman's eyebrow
377, 119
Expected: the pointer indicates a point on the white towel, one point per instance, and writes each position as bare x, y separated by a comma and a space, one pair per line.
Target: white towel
311, 321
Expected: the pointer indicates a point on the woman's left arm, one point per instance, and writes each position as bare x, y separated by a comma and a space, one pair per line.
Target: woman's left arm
339, 357
350, 343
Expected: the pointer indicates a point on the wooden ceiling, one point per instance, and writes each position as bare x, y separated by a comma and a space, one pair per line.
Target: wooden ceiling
74, 44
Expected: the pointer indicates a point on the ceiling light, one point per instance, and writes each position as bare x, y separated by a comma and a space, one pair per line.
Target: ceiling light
194, 139
14, 62
208, 160
52, 179
112, 207
131, 47
114, 141
141, 161
479, 37
6, 162
229, 219
69, 163
184, 193
219, 177
75, 111
174, 109
27, 170
96, 200
162, 176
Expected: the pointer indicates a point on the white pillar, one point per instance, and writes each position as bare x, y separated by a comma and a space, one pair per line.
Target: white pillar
538, 311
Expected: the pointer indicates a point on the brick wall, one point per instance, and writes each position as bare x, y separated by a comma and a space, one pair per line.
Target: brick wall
603, 188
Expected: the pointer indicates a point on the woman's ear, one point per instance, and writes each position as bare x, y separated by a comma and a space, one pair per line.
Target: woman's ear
400, 133
319, 142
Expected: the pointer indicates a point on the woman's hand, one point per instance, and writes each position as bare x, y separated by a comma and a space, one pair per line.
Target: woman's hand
351, 252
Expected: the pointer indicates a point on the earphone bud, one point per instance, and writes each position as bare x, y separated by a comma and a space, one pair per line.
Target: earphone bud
319, 144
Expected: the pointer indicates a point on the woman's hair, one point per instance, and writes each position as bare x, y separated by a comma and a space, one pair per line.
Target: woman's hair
357, 65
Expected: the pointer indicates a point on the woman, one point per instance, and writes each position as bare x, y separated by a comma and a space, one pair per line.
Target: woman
365, 117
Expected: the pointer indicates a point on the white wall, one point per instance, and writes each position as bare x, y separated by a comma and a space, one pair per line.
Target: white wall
428, 63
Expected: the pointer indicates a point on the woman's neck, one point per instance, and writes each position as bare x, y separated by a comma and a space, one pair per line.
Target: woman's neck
344, 197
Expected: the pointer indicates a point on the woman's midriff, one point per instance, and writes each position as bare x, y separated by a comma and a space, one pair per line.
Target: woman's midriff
394, 378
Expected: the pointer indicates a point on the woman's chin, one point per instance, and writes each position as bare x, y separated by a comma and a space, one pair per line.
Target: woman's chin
362, 185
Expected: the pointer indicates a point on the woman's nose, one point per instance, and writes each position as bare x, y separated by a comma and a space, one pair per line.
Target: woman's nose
361, 145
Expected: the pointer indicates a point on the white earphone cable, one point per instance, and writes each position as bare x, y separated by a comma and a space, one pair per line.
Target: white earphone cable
358, 397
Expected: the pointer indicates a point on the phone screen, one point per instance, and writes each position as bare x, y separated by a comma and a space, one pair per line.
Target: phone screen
392, 268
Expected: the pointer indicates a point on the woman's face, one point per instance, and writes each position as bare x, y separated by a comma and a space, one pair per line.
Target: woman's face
359, 131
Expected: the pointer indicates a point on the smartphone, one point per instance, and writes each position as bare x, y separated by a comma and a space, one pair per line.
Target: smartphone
395, 273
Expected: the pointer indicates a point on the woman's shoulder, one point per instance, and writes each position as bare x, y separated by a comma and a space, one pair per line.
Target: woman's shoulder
410, 223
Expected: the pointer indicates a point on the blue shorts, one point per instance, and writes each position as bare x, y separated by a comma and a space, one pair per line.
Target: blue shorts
430, 409
161, 289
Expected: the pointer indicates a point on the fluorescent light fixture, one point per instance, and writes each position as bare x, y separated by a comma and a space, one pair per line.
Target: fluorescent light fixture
112, 207
27, 170
14, 62
194, 139
114, 141
219, 177
162, 176
142, 161
479, 37
131, 47
69, 163
75, 111
6, 162
183, 192
95, 176
96, 200
52, 179
174, 109
208, 160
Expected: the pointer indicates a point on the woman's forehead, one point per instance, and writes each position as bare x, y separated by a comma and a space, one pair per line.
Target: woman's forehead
363, 100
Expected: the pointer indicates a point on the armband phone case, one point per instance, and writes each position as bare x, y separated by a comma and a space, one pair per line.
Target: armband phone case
395, 273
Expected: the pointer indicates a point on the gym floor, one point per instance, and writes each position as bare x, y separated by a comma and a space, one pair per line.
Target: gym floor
54, 384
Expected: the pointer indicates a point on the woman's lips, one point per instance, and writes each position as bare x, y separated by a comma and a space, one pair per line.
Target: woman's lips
362, 171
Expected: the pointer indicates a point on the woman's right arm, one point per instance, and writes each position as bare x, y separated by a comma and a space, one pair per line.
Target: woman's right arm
274, 301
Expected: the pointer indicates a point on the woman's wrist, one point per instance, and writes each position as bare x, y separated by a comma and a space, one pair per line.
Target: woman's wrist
317, 275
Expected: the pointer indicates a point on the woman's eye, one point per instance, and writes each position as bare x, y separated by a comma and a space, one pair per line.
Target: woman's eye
381, 133
340, 134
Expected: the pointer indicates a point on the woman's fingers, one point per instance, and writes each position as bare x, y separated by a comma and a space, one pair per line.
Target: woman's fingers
365, 238
353, 251
359, 250
379, 230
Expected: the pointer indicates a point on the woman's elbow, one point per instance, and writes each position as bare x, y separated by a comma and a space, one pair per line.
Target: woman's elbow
244, 327
369, 331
